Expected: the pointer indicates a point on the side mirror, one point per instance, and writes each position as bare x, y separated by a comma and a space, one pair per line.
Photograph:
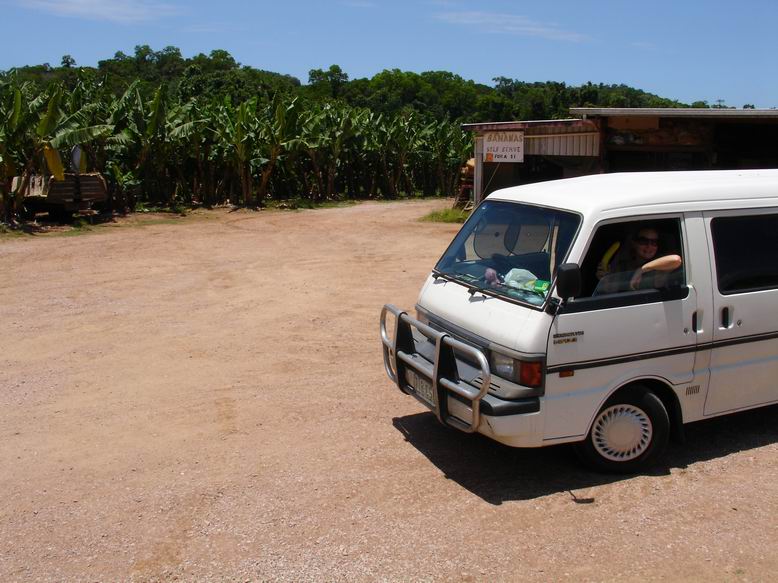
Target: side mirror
568, 280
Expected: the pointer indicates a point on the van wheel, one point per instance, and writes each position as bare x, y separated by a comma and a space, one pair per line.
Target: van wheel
629, 433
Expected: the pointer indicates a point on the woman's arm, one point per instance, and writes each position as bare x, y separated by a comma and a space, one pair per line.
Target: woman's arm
664, 263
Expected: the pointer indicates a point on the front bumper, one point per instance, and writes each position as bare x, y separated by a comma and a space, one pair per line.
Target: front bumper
424, 363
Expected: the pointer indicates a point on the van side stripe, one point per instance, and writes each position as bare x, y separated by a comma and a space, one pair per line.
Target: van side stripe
622, 359
741, 340
661, 353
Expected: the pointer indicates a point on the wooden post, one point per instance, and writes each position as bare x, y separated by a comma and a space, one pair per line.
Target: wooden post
478, 175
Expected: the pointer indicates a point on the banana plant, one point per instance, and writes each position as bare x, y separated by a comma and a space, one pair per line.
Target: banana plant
208, 150
238, 132
325, 134
400, 136
191, 136
24, 147
312, 140
449, 148
12, 137
341, 125
139, 138
278, 128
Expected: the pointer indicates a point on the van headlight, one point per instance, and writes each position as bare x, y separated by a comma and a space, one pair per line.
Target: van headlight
524, 372
504, 366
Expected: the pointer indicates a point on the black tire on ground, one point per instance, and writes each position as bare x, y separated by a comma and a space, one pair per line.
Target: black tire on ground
629, 433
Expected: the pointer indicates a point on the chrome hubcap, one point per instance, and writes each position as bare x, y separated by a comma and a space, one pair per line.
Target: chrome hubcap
622, 433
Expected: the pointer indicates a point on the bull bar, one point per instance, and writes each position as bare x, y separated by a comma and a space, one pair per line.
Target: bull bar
400, 355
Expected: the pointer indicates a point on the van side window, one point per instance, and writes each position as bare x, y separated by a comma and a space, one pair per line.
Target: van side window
634, 255
746, 252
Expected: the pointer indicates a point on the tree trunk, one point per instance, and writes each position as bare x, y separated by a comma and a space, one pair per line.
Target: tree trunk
266, 172
441, 179
330, 181
245, 184
5, 199
317, 174
397, 177
197, 182
390, 181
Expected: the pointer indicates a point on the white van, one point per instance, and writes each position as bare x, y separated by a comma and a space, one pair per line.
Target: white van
605, 310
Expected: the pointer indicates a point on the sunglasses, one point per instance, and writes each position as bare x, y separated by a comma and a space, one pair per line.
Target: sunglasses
647, 241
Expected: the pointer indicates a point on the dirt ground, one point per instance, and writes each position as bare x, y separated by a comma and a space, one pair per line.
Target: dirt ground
206, 401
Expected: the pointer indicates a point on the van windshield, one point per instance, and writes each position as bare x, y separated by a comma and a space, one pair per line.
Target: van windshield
510, 249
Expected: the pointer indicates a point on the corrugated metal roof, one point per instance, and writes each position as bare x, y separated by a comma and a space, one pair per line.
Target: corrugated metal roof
562, 144
497, 126
565, 137
690, 112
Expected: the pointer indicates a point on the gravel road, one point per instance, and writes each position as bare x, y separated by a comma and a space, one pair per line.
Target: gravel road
206, 401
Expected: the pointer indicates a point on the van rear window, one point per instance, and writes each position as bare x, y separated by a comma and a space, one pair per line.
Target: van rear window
745, 252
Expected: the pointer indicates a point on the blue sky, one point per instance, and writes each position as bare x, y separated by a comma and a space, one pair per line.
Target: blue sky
681, 49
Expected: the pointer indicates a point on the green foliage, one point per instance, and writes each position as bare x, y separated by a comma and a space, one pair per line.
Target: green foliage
6, 231
300, 203
447, 216
328, 83
81, 224
171, 132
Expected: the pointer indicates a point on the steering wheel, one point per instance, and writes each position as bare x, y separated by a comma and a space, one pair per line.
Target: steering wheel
501, 263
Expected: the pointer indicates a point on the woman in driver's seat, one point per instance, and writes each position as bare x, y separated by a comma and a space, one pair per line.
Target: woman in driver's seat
638, 258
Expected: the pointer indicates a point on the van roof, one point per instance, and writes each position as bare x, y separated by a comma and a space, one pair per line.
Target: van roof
666, 191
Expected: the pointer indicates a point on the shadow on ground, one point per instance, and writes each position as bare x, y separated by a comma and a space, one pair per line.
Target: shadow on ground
46, 224
497, 473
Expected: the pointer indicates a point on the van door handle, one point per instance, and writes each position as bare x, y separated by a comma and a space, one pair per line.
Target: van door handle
697, 321
725, 317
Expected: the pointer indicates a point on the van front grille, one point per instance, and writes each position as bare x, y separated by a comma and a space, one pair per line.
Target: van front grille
478, 382
436, 326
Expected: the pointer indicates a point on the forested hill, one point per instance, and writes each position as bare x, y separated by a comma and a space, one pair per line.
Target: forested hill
437, 94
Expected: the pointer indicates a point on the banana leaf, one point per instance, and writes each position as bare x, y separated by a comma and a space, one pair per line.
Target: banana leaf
49, 120
73, 137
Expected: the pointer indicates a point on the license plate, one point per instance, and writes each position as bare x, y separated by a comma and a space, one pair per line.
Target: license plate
421, 386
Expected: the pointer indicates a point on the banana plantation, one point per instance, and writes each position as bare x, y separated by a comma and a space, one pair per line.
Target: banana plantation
159, 149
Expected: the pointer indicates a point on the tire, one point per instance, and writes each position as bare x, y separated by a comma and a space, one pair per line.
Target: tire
628, 434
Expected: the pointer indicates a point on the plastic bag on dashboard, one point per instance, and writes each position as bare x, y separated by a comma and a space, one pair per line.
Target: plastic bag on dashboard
524, 279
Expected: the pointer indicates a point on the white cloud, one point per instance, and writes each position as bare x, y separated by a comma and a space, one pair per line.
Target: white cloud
123, 11
498, 23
